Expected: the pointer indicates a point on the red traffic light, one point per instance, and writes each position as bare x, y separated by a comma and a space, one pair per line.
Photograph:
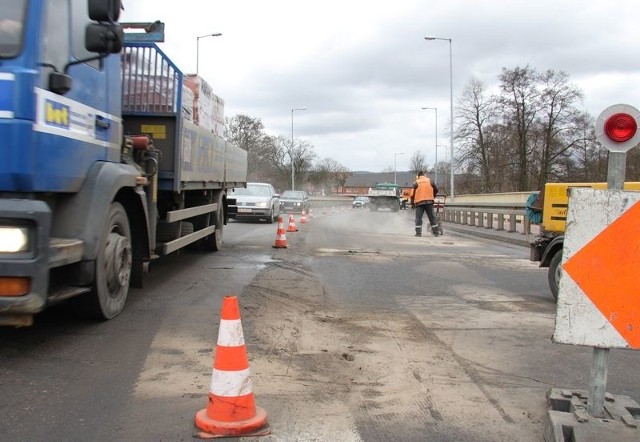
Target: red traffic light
620, 127
617, 128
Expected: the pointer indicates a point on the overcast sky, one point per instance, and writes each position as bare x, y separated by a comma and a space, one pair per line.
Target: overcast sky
364, 71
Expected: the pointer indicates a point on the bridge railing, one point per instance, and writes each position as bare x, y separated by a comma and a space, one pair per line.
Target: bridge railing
510, 217
498, 211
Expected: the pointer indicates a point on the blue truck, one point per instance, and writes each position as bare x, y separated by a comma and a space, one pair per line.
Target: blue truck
101, 168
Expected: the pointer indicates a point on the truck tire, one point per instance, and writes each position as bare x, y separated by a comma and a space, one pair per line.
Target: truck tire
112, 269
553, 275
166, 232
213, 242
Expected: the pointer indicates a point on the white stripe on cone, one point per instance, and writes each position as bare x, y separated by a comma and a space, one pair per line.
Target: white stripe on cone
231, 383
230, 333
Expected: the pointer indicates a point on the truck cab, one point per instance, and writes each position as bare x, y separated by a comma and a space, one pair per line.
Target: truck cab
62, 134
102, 168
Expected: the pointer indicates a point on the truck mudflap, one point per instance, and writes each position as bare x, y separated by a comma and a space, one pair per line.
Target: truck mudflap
231, 209
24, 270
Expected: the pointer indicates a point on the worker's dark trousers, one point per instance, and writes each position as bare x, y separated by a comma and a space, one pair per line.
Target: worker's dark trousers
420, 210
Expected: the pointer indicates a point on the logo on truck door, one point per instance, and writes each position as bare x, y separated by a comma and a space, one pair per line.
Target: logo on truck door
68, 118
56, 114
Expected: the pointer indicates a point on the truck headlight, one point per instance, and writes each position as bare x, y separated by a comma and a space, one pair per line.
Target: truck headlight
14, 239
261, 204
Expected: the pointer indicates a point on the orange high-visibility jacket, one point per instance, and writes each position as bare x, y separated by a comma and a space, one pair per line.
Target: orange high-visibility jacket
423, 191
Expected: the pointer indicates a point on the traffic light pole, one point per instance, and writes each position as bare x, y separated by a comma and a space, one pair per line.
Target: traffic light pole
600, 360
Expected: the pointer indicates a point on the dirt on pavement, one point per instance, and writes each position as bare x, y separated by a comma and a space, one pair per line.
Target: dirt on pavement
326, 373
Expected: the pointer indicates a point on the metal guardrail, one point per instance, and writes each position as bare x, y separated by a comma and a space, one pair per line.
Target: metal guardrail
509, 217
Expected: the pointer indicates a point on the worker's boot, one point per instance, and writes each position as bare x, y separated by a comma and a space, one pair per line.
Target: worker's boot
435, 230
418, 231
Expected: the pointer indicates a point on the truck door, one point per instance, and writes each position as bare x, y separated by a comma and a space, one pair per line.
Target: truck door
74, 130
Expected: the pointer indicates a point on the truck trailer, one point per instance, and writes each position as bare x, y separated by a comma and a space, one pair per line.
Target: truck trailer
102, 168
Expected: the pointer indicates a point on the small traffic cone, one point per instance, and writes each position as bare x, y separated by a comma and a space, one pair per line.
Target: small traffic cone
311, 213
303, 217
281, 236
292, 224
231, 409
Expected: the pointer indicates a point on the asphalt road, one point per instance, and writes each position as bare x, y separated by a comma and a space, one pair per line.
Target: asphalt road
356, 331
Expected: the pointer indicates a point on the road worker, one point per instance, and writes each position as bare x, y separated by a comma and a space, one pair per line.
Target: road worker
424, 192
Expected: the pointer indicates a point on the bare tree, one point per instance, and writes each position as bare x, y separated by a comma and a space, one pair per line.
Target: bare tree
560, 121
247, 133
269, 159
418, 162
329, 174
476, 111
633, 165
340, 177
303, 157
588, 159
520, 101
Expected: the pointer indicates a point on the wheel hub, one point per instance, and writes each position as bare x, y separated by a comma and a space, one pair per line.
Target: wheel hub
118, 261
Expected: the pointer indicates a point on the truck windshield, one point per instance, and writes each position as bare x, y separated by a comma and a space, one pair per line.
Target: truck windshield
12, 17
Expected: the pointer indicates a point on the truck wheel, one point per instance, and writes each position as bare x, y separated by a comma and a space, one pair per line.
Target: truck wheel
213, 242
166, 232
113, 269
553, 275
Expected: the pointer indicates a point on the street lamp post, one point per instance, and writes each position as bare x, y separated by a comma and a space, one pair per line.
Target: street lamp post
395, 169
217, 34
451, 98
445, 160
436, 166
293, 179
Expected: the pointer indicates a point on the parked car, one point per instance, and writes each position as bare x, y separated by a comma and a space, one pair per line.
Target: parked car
294, 201
360, 202
255, 202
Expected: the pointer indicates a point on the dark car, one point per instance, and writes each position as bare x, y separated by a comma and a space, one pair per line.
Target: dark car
256, 201
294, 201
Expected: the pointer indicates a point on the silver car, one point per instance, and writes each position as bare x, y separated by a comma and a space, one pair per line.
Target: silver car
255, 202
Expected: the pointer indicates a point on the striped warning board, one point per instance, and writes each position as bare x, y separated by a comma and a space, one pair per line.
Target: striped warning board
599, 296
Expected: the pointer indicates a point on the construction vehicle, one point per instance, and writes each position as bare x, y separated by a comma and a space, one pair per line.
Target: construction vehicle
405, 197
549, 208
102, 167
384, 195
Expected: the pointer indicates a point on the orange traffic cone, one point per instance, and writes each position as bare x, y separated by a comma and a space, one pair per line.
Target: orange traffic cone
231, 410
292, 224
281, 236
303, 217
311, 213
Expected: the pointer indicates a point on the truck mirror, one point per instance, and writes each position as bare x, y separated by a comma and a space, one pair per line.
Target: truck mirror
59, 83
104, 10
103, 39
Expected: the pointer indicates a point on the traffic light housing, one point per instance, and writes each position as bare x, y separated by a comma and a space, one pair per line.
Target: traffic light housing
617, 127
